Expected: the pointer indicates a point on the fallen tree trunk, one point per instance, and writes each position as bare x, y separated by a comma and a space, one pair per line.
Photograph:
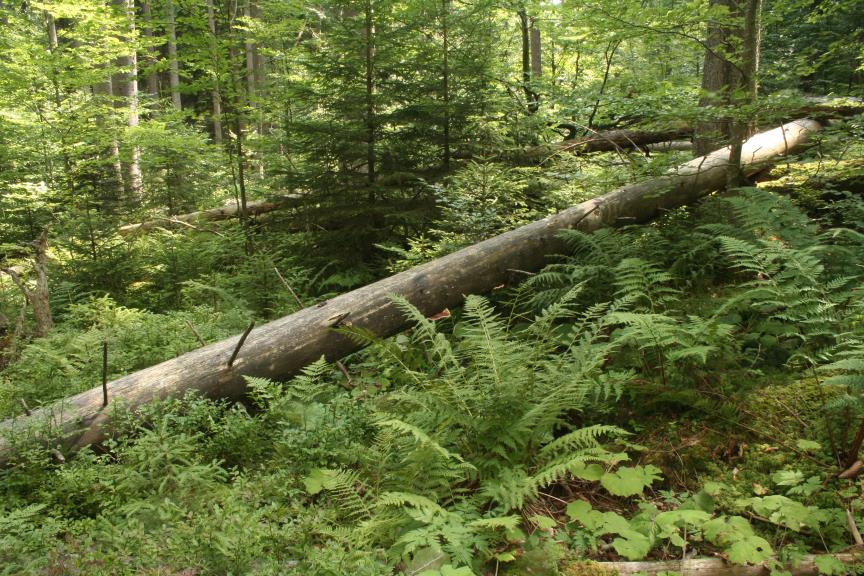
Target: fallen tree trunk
609, 141
806, 566
282, 347
622, 140
230, 210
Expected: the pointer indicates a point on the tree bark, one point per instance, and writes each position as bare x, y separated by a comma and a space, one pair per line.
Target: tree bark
173, 62
283, 347
536, 53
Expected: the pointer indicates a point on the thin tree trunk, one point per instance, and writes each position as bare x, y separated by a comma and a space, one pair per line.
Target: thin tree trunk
104, 91
745, 95
445, 81
153, 76
531, 97
249, 53
609, 55
215, 94
369, 37
52, 31
239, 120
134, 168
283, 347
173, 62
536, 53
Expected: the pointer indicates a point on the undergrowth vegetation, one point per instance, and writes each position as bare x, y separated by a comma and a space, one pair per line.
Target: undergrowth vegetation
504, 437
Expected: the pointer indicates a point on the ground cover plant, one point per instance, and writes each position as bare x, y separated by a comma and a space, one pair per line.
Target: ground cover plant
510, 436
684, 383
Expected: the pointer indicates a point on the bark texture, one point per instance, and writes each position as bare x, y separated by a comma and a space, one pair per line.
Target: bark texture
283, 347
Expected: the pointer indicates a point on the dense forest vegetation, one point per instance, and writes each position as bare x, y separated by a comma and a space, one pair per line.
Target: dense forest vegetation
667, 366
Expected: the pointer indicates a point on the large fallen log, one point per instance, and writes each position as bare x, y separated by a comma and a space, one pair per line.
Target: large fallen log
806, 566
283, 347
229, 210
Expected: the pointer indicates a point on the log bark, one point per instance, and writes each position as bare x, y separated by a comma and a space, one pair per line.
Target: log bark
700, 567
226, 212
283, 347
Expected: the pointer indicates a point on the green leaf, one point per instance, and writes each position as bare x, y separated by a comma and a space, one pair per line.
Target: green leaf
317, 481
788, 477
725, 530
543, 522
808, 445
750, 550
629, 481
704, 501
578, 510
632, 545
827, 564
591, 472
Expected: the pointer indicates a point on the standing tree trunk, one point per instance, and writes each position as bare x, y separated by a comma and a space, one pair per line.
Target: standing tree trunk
240, 104
531, 98
608, 55
215, 94
536, 53
369, 37
104, 93
721, 75
445, 81
744, 95
153, 76
131, 94
173, 63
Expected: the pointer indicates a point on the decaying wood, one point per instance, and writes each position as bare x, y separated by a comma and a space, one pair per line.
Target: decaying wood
226, 212
283, 347
611, 141
700, 567
37, 296
622, 140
